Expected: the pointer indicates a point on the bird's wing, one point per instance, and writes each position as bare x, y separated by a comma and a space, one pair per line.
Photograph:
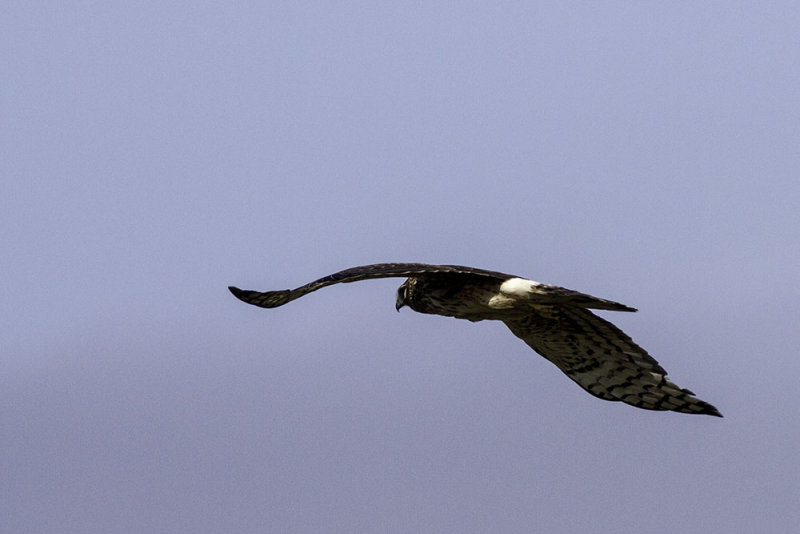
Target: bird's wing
273, 299
602, 359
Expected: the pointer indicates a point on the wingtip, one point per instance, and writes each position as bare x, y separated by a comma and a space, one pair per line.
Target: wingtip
707, 409
236, 291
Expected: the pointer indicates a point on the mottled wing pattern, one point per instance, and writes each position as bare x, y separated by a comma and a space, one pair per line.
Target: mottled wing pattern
603, 360
273, 299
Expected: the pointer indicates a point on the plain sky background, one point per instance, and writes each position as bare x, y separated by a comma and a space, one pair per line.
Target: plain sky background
152, 153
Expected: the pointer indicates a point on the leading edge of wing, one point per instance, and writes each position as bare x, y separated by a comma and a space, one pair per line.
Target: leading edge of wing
273, 299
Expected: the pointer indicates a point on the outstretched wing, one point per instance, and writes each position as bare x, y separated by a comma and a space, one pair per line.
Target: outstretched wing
603, 360
273, 299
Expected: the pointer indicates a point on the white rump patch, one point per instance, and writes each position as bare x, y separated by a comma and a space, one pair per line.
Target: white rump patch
511, 292
518, 287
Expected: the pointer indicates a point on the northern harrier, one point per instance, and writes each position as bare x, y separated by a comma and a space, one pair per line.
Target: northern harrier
553, 321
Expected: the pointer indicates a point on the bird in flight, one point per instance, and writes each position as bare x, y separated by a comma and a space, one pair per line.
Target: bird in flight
555, 322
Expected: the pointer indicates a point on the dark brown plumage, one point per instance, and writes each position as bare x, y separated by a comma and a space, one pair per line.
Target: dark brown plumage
555, 322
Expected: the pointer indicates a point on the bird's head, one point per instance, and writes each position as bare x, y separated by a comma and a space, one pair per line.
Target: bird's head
402, 296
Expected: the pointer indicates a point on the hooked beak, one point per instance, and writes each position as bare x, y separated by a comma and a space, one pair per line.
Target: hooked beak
401, 297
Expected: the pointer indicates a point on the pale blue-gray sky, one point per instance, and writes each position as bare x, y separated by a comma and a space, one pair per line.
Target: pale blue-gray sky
155, 152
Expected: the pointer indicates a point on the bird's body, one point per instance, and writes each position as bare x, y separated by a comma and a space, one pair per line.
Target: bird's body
555, 322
